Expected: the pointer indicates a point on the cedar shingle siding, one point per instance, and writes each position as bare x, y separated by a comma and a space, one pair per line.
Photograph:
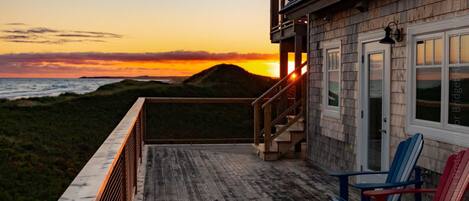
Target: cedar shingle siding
331, 142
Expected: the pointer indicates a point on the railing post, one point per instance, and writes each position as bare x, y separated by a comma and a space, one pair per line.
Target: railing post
144, 122
267, 126
257, 126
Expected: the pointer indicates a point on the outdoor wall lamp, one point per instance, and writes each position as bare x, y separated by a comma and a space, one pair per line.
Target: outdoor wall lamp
392, 35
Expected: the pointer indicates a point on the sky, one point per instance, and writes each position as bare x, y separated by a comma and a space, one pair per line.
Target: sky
74, 38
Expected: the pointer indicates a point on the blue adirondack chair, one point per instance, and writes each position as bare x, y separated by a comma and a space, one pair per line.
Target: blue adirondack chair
399, 173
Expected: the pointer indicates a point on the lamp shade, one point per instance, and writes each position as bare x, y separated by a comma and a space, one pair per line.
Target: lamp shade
387, 38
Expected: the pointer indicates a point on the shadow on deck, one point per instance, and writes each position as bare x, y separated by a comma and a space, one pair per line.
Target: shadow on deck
228, 172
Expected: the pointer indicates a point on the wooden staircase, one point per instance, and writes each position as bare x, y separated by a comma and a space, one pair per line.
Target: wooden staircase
283, 145
283, 130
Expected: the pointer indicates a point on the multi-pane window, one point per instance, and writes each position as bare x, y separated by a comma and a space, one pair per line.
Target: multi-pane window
333, 77
441, 79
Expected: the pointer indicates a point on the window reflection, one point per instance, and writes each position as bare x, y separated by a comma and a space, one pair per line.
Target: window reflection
438, 50
428, 96
454, 49
458, 111
420, 54
465, 49
429, 52
333, 75
375, 93
334, 88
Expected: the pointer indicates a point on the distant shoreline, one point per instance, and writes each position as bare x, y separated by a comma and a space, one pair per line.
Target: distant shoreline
105, 77
136, 77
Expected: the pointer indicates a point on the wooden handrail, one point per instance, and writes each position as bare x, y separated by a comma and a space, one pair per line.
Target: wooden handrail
265, 94
286, 112
281, 92
124, 143
199, 100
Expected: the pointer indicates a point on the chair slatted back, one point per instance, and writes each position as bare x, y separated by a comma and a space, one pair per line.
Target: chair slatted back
404, 161
455, 179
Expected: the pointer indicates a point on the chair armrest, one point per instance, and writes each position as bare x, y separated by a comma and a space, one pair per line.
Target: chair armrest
349, 174
381, 195
369, 186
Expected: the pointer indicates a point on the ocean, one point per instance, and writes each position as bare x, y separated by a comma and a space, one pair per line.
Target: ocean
26, 88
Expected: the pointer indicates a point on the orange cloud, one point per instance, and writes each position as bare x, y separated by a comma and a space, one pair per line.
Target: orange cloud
174, 63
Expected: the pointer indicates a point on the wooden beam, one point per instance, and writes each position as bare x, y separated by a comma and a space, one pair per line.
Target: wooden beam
200, 141
274, 17
311, 7
182, 100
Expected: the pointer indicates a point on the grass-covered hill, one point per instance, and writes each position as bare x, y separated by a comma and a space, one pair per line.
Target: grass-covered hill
44, 142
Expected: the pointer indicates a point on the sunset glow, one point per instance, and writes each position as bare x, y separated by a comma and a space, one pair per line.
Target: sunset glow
32, 29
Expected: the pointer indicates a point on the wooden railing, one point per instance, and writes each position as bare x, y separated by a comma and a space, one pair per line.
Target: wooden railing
111, 174
264, 119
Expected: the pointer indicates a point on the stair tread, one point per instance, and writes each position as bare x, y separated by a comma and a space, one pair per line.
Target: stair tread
284, 137
291, 117
291, 128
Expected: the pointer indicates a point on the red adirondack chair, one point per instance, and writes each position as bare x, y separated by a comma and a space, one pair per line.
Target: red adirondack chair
453, 183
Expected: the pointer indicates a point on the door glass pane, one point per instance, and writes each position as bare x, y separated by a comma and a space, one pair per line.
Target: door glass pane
429, 52
428, 97
420, 54
375, 102
465, 49
453, 49
334, 88
459, 96
438, 50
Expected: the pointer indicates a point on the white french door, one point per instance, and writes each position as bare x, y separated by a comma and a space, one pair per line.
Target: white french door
375, 86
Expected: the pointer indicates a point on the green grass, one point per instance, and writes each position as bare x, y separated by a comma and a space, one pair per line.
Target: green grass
44, 142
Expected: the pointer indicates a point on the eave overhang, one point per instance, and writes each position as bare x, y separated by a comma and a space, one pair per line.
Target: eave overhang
299, 8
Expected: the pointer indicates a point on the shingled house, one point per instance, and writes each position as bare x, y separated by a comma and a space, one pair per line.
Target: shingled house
378, 71
368, 74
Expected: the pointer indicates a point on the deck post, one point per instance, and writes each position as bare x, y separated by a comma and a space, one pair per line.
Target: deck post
267, 126
298, 62
257, 126
285, 46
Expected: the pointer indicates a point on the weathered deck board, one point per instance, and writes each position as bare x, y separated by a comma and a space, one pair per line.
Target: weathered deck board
229, 172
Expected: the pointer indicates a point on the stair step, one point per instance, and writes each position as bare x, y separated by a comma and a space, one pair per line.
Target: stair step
291, 117
294, 127
283, 138
287, 141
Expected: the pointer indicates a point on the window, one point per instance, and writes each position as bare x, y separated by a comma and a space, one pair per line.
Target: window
440, 82
428, 79
332, 71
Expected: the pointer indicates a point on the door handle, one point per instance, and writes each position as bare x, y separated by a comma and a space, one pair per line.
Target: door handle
382, 131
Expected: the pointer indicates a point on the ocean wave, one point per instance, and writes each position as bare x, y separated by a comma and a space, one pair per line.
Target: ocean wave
28, 88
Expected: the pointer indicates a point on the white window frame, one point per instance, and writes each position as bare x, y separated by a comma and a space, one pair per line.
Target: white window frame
331, 111
440, 131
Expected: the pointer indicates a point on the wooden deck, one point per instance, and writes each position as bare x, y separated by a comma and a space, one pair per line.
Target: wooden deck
228, 172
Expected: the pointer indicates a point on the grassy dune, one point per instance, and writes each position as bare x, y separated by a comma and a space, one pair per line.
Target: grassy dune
44, 142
